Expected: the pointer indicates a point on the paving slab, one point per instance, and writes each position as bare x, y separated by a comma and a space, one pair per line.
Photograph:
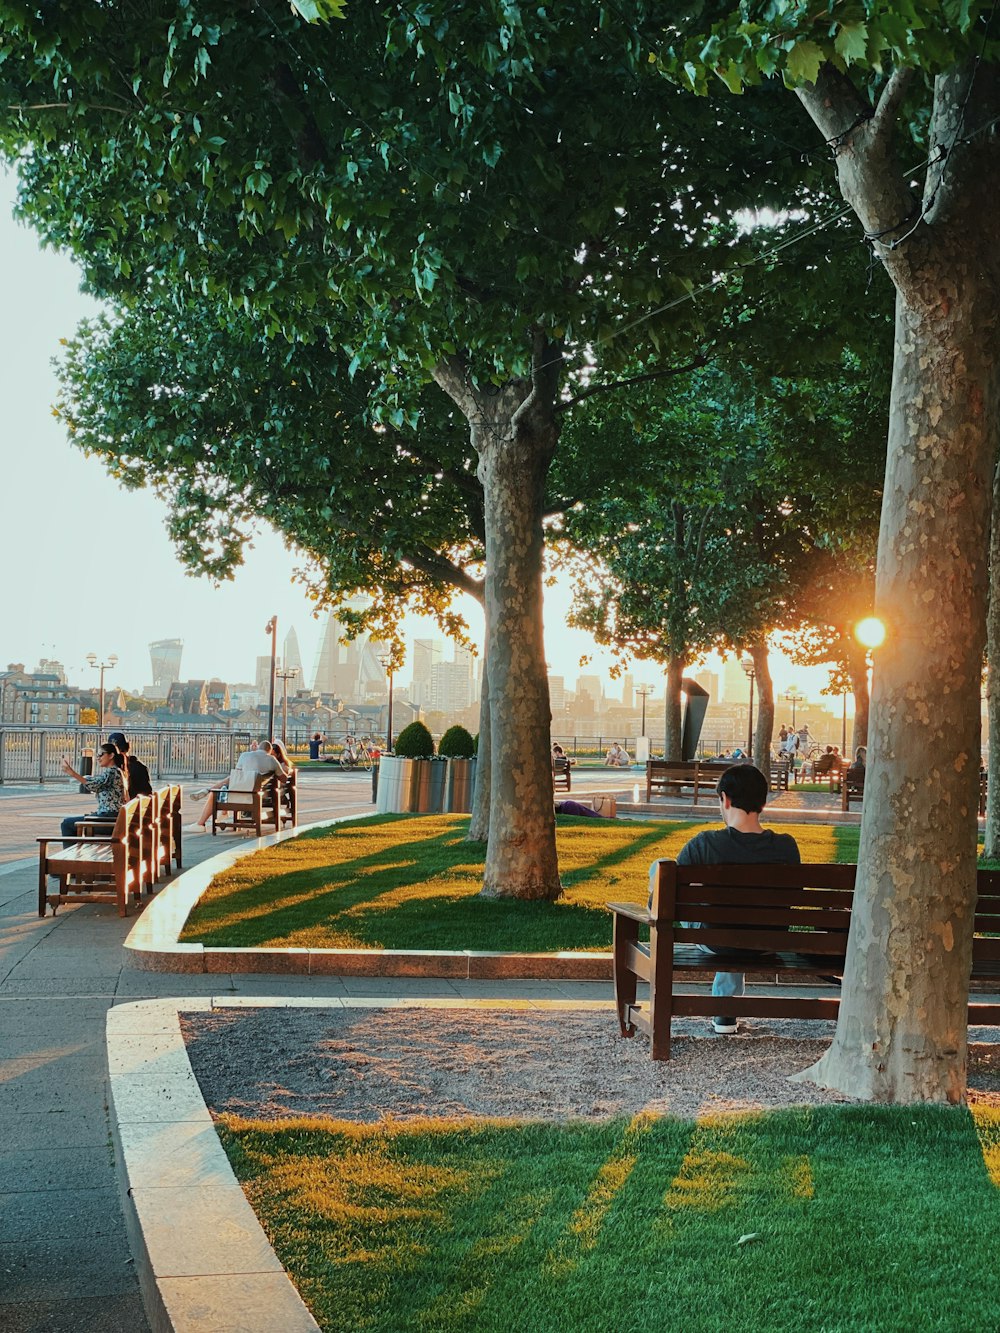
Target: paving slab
53, 1214
71, 1127
54, 1168
120, 1313
26, 1085
62, 1268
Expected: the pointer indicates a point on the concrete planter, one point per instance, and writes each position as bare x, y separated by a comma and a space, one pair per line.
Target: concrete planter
411, 786
460, 786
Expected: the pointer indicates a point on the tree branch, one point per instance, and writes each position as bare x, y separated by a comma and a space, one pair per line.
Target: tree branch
695, 364
437, 566
883, 122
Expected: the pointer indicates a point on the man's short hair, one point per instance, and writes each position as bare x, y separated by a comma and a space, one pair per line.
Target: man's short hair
745, 786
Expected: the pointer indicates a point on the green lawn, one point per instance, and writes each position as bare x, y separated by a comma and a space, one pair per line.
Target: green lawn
867, 1220
398, 882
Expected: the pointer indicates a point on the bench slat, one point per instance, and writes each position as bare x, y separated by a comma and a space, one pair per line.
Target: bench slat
767, 941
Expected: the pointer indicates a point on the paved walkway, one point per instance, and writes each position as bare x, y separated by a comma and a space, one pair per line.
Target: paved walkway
64, 1259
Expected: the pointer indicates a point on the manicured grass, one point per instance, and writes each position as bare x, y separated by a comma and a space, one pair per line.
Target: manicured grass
864, 1219
398, 882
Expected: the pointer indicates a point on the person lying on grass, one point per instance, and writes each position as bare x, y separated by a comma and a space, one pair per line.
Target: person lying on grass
742, 792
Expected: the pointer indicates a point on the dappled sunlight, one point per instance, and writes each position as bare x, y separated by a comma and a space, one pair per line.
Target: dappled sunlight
585, 1225
986, 1119
413, 882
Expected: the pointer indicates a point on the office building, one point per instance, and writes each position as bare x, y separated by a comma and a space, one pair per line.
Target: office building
165, 666
291, 658
427, 653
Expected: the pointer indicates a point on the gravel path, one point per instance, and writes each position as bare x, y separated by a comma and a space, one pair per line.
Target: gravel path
367, 1064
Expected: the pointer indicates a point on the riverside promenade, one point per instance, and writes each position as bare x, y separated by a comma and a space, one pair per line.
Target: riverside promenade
65, 1263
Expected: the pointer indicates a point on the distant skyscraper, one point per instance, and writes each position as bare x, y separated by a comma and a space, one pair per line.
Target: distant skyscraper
628, 691
735, 686
557, 694
349, 668
426, 655
592, 685
262, 677
292, 659
165, 661
709, 682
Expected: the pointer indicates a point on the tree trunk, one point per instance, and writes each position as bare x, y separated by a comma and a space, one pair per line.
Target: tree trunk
673, 731
479, 824
857, 670
521, 852
764, 730
514, 432
991, 850
902, 1031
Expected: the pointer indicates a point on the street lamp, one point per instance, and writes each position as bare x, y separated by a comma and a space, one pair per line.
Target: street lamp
272, 628
285, 675
750, 669
102, 667
794, 698
386, 660
644, 691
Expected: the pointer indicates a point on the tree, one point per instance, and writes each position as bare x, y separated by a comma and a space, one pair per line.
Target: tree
863, 74
486, 183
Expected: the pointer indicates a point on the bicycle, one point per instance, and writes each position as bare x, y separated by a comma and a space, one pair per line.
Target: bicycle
356, 754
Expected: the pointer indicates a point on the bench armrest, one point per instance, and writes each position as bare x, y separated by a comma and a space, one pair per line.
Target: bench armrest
634, 911
57, 837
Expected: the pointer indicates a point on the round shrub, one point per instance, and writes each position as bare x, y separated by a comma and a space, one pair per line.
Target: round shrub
414, 742
457, 743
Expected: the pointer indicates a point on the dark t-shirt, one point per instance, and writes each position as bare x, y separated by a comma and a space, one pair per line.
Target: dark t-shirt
729, 847
138, 778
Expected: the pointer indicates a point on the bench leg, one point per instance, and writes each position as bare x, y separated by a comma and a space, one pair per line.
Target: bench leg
626, 933
43, 885
661, 993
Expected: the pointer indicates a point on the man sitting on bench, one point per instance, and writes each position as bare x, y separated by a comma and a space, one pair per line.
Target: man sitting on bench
742, 794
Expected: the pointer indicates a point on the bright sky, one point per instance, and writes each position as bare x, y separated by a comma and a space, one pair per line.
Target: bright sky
89, 567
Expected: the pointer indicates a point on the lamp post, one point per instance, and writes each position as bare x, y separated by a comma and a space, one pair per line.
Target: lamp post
794, 698
102, 667
644, 691
285, 675
750, 669
272, 628
386, 661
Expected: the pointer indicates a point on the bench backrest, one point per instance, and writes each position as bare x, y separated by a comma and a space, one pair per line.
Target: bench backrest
721, 905
718, 906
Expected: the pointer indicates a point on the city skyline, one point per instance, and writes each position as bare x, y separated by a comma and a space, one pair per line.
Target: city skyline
62, 529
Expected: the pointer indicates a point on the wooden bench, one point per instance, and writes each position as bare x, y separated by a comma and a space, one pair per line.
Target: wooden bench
288, 803
562, 775
850, 791
779, 774
244, 802
790, 921
665, 778
168, 850
148, 837
98, 868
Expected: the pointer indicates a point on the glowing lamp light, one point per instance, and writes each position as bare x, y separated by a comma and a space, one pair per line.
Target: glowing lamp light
870, 632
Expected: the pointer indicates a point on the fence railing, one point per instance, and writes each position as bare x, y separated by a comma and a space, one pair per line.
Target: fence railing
35, 754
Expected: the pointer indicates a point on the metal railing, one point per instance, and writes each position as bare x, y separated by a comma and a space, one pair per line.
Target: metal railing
30, 754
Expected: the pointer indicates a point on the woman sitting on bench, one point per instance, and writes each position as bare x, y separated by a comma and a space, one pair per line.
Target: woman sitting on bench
108, 783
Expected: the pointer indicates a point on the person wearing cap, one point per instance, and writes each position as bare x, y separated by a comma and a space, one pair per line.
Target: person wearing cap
137, 781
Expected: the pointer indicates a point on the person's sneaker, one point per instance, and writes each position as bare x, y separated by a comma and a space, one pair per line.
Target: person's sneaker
725, 1027
195, 828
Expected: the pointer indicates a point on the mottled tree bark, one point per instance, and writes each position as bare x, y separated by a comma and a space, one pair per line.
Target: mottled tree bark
991, 848
673, 728
857, 671
902, 1030
514, 432
764, 729
479, 823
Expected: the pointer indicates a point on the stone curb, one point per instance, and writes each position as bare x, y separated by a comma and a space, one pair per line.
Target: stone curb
202, 1258
153, 944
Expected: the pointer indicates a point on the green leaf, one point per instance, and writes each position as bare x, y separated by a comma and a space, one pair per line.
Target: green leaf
851, 42
319, 11
804, 60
